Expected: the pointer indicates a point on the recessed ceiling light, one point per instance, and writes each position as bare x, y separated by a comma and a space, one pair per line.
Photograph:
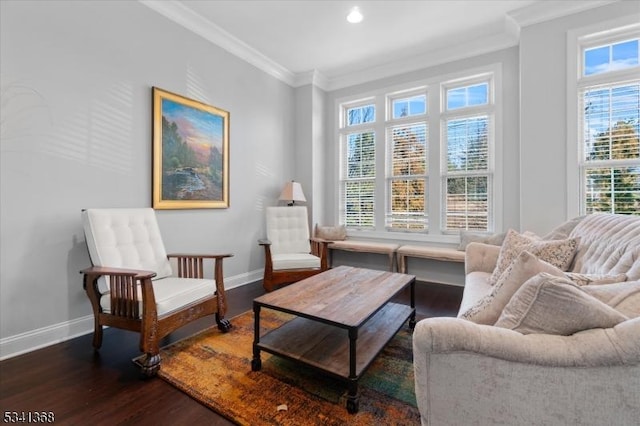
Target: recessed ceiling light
355, 16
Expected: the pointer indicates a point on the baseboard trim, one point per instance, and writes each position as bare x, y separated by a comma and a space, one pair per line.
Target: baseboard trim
29, 341
46, 336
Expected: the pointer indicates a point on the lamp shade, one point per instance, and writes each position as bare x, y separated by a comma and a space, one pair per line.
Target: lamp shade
292, 192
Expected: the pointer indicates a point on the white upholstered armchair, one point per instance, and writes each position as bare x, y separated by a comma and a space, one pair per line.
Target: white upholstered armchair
133, 284
290, 255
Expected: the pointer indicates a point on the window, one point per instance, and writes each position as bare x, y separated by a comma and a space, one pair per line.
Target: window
608, 91
467, 176
406, 132
419, 159
358, 169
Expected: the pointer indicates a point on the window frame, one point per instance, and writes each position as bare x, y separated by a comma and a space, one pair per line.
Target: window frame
345, 131
462, 113
579, 40
383, 98
390, 124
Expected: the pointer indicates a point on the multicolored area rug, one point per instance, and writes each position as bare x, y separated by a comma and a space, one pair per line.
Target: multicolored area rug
215, 369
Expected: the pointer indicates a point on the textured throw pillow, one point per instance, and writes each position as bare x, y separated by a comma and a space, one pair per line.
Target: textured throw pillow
624, 297
548, 304
488, 309
589, 279
467, 237
559, 253
331, 233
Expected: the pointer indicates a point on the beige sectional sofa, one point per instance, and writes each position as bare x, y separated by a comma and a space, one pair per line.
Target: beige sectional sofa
565, 347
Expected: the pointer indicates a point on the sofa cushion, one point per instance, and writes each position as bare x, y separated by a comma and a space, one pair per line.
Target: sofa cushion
476, 286
551, 304
487, 310
294, 261
624, 297
331, 233
171, 293
557, 252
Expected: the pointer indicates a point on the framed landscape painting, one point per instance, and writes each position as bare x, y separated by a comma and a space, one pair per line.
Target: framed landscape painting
190, 153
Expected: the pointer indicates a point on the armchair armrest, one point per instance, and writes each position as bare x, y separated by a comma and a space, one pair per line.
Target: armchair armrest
199, 256
122, 289
319, 247
619, 345
481, 257
320, 240
192, 266
96, 272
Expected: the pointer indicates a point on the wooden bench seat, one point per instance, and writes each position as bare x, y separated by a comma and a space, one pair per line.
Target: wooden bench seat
444, 254
365, 247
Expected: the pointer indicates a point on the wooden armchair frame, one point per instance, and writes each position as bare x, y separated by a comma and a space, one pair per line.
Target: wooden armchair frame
274, 278
124, 312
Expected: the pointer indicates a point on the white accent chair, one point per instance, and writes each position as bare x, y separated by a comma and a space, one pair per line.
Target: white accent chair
290, 255
134, 285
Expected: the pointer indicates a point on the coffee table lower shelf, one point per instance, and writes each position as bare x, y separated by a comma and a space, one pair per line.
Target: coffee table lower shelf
342, 351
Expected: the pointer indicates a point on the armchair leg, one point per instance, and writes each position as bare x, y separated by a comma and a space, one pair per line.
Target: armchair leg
268, 285
224, 325
97, 336
150, 365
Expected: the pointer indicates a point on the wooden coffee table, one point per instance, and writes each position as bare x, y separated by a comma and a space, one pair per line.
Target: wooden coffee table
343, 319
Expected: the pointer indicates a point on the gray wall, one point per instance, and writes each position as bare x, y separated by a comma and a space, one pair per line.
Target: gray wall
76, 133
310, 141
543, 112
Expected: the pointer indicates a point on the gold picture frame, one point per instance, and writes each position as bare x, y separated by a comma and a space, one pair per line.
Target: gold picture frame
190, 153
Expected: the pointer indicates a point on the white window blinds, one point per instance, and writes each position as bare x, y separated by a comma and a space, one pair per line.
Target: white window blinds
407, 153
609, 117
467, 174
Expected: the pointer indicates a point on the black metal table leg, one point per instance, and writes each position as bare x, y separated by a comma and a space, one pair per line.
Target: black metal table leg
353, 399
412, 318
256, 362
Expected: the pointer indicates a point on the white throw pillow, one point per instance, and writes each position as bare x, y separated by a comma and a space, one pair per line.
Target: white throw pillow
559, 253
548, 304
488, 309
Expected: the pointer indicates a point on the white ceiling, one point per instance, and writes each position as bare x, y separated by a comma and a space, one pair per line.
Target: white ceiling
309, 40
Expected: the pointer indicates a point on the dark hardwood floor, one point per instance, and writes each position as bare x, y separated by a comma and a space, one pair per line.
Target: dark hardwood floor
84, 387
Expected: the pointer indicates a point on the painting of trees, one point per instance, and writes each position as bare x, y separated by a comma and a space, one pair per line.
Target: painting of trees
190, 153
176, 152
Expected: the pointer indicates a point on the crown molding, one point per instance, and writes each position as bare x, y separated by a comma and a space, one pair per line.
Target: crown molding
313, 77
477, 46
547, 10
513, 22
184, 16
